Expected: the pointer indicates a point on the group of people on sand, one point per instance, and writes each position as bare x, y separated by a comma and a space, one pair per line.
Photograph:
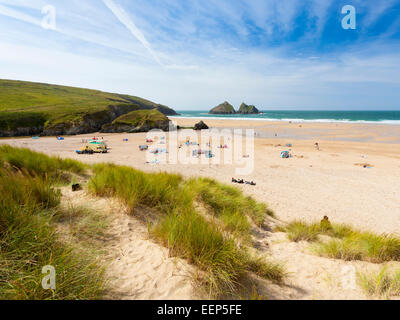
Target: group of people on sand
241, 181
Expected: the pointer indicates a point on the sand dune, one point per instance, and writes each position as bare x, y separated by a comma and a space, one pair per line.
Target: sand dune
136, 267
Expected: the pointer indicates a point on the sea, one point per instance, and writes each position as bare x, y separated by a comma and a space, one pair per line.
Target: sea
381, 117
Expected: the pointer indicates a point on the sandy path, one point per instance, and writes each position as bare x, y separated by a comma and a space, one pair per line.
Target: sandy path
137, 268
143, 270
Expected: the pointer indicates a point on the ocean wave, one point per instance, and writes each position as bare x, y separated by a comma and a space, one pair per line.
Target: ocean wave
293, 120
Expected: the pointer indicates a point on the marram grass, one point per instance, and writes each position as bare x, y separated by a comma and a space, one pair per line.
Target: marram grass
29, 242
302, 231
345, 243
364, 246
184, 231
35, 163
384, 284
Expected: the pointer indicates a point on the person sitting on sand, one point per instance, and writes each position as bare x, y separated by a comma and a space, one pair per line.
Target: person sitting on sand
325, 224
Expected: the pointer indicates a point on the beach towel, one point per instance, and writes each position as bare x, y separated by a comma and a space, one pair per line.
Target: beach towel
158, 150
154, 162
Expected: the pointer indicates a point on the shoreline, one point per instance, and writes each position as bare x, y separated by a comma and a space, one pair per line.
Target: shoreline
324, 131
299, 121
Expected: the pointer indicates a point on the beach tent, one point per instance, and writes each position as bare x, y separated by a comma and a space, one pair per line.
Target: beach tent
99, 143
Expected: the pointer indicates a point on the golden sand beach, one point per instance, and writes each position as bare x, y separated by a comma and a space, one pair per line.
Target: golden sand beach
353, 178
311, 184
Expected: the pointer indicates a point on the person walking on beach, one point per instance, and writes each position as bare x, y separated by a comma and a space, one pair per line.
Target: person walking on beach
317, 146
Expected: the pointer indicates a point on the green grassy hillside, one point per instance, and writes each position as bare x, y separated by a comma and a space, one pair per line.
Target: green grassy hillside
136, 118
138, 121
40, 106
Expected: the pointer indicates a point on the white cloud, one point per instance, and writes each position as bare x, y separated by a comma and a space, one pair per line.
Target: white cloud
124, 18
9, 12
202, 51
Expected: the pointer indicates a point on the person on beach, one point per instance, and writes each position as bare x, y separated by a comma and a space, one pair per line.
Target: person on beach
316, 146
325, 224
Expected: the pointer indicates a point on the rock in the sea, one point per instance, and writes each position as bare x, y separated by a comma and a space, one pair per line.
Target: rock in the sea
223, 108
200, 126
248, 109
138, 121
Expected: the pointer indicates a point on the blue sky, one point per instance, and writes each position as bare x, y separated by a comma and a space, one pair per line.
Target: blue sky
195, 54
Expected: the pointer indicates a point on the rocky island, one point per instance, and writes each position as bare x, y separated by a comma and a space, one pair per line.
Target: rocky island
248, 109
223, 108
227, 108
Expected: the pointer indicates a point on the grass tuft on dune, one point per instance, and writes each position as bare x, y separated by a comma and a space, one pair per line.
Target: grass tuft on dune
383, 284
303, 231
39, 164
186, 232
345, 243
364, 246
29, 242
